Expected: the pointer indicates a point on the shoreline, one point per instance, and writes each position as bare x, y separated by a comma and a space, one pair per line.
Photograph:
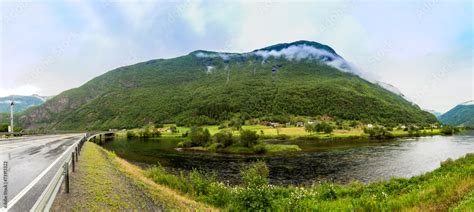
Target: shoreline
430, 192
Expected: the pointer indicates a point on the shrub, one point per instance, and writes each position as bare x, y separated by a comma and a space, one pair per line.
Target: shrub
257, 195
223, 137
218, 194
448, 130
199, 136
248, 138
255, 174
3, 127
319, 127
353, 124
145, 133
213, 147
130, 134
155, 133
221, 126
283, 137
260, 148
328, 129
378, 132
200, 181
184, 144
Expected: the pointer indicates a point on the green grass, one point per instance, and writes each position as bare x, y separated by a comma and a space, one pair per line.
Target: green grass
105, 182
274, 148
467, 203
238, 149
98, 185
449, 186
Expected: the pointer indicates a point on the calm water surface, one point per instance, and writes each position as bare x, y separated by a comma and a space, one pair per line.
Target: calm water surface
339, 161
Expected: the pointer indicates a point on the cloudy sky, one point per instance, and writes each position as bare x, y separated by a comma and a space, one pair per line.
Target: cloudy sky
424, 48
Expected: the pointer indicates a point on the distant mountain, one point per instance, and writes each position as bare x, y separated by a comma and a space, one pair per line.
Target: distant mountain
434, 112
302, 78
461, 115
21, 102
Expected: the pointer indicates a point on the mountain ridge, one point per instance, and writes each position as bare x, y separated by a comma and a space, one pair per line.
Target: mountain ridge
205, 87
460, 115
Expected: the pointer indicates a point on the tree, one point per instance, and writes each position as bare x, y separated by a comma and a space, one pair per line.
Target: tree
3, 127
309, 128
224, 137
378, 132
353, 124
236, 123
448, 130
248, 138
328, 129
199, 136
319, 127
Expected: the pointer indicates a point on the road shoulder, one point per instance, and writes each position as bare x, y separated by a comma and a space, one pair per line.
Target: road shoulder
103, 181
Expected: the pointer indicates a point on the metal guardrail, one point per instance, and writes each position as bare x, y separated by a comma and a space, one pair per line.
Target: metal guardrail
46, 199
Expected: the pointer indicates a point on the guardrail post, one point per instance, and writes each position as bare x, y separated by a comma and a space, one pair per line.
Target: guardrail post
66, 177
73, 162
77, 157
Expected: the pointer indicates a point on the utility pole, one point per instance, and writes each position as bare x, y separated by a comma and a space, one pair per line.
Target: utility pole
11, 117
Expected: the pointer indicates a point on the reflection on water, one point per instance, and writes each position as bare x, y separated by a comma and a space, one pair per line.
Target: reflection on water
340, 161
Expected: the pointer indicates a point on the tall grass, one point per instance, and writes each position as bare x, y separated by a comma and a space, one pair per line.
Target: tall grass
438, 189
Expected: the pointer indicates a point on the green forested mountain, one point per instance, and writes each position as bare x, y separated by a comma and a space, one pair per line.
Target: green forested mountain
461, 115
203, 87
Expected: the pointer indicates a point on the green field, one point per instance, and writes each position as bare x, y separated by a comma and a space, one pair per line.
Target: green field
296, 132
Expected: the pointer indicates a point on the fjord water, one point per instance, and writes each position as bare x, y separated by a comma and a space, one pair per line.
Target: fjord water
339, 161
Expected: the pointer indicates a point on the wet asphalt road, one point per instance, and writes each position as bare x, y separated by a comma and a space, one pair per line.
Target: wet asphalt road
27, 157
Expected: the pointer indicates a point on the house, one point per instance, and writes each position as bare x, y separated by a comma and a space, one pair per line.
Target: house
311, 122
300, 124
370, 126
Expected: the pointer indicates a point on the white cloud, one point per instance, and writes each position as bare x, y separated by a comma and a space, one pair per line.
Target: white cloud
401, 48
21, 90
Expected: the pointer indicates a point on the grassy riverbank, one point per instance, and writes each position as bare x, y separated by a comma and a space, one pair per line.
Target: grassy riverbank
448, 187
104, 181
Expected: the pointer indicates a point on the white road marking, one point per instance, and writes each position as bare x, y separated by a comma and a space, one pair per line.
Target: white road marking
15, 199
7, 147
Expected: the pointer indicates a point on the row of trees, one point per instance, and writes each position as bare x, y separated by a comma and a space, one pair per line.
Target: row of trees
149, 131
201, 137
4, 128
319, 127
378, 132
